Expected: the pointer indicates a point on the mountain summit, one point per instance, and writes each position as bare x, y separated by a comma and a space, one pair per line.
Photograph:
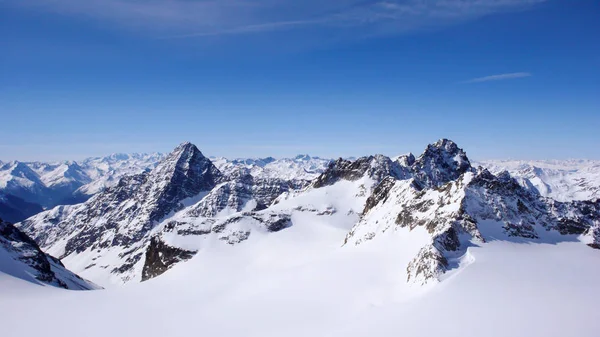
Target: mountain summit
442, 161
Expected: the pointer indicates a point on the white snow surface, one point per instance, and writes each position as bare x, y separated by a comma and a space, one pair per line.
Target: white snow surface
300, 282
562, 180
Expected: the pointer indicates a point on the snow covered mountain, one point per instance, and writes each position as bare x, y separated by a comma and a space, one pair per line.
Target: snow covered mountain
21, 257
562, 180
69, 182
110, 230
301, 167
437, 206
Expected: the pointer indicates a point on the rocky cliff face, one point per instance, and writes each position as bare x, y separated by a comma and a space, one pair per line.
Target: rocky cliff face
21, 257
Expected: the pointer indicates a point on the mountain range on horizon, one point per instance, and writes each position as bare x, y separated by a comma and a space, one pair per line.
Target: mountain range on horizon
159, 210
26, 188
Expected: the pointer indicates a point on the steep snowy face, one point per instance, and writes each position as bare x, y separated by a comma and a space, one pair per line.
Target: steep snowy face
109, 233
442, 161
562, 180
474, 208
21, 257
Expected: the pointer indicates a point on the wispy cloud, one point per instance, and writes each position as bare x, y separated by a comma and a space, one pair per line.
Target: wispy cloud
499, 77
202, 18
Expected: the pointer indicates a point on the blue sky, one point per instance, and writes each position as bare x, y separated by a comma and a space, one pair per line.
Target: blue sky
503, 78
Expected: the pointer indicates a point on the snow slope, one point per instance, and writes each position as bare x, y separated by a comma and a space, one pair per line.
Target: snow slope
303, 285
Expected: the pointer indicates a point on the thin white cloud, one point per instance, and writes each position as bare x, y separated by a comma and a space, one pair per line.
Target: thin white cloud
203, 18
499, 77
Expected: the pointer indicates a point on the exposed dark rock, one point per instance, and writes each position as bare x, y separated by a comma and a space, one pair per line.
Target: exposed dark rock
441, 162
448, 240
376, 167
380, 193
44, 267
520, 230
160, 257
276, 222
427, 265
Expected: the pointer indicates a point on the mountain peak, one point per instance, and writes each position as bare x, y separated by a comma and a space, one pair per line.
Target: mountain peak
406, 160
444, 143
186, 147
302, 157
185, 160
440, 163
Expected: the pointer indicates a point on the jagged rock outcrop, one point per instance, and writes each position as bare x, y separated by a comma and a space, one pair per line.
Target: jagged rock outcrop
160, 257
21, 257
442, 161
